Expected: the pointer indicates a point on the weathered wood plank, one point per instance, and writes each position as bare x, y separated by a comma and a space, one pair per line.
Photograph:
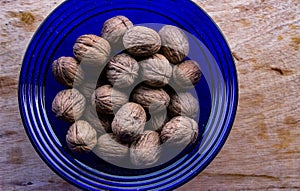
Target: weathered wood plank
263, 150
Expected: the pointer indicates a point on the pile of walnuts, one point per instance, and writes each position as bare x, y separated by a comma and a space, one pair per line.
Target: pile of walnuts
140, 99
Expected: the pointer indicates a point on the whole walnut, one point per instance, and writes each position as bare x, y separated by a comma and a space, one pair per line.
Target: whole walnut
183, 103
186, 74
157, 121
180, 131
66, 71
145, 151
175, 44
101, 123
122, 70
81, 137
156, 70
69, 105
110, 149
108, 100
114, 29
152, 99
141, 41
129, 122
92, 50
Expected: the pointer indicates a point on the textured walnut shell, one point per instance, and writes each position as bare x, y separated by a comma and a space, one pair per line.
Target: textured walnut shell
87, 89
66, 71
101, 123
108, 100
110, 149
183, 103
129, 122
141, 41
145, 151
152, 99
81, 137
92, 50
157, 121
69, 105
175, 44
122, 70
114, 29
156, 70
186, 74
179, 131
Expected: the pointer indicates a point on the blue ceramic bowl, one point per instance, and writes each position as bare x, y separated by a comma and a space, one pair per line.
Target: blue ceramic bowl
217, 92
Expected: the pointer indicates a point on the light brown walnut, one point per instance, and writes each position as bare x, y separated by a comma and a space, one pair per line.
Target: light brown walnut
81, 137
69, 105
179, 132
175, 44
183, 103
122, 70
129, 122
66, 71
92, 50
156, 70
108, 100
114, 29
186, 74
141, 41
145, 152
152, 99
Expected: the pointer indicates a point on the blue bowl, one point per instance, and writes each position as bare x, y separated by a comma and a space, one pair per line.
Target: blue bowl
217, 92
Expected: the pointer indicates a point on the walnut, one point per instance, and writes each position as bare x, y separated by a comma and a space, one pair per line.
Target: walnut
69, 105
101, 123
156, 70
183, 103
186, 74
122, 70
81, 137
157, 121
108, 100
114, 29
110, 149
141, 41
92, 50
129, 122
66, 71
152, 99
175, 44
145, 151
180, 131
87, 89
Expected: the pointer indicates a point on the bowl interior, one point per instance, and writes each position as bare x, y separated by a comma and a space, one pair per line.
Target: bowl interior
216, 92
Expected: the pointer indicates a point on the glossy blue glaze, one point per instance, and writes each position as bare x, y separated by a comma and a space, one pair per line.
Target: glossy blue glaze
217, 92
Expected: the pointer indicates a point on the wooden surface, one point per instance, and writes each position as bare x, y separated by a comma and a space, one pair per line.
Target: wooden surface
263, 149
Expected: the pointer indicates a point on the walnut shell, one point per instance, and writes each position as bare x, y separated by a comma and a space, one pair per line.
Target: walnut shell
175, 44
183, 103
180, 131
108, 100
145, 151
92, 50
156, 70
101, 123
141, 41
66, 71
69, 105
122, 70
186, 74
110, 149
87, 89
81, 137
114, 29
129, 122
152, 99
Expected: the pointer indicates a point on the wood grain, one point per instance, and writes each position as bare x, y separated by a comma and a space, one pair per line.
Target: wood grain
263, 149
